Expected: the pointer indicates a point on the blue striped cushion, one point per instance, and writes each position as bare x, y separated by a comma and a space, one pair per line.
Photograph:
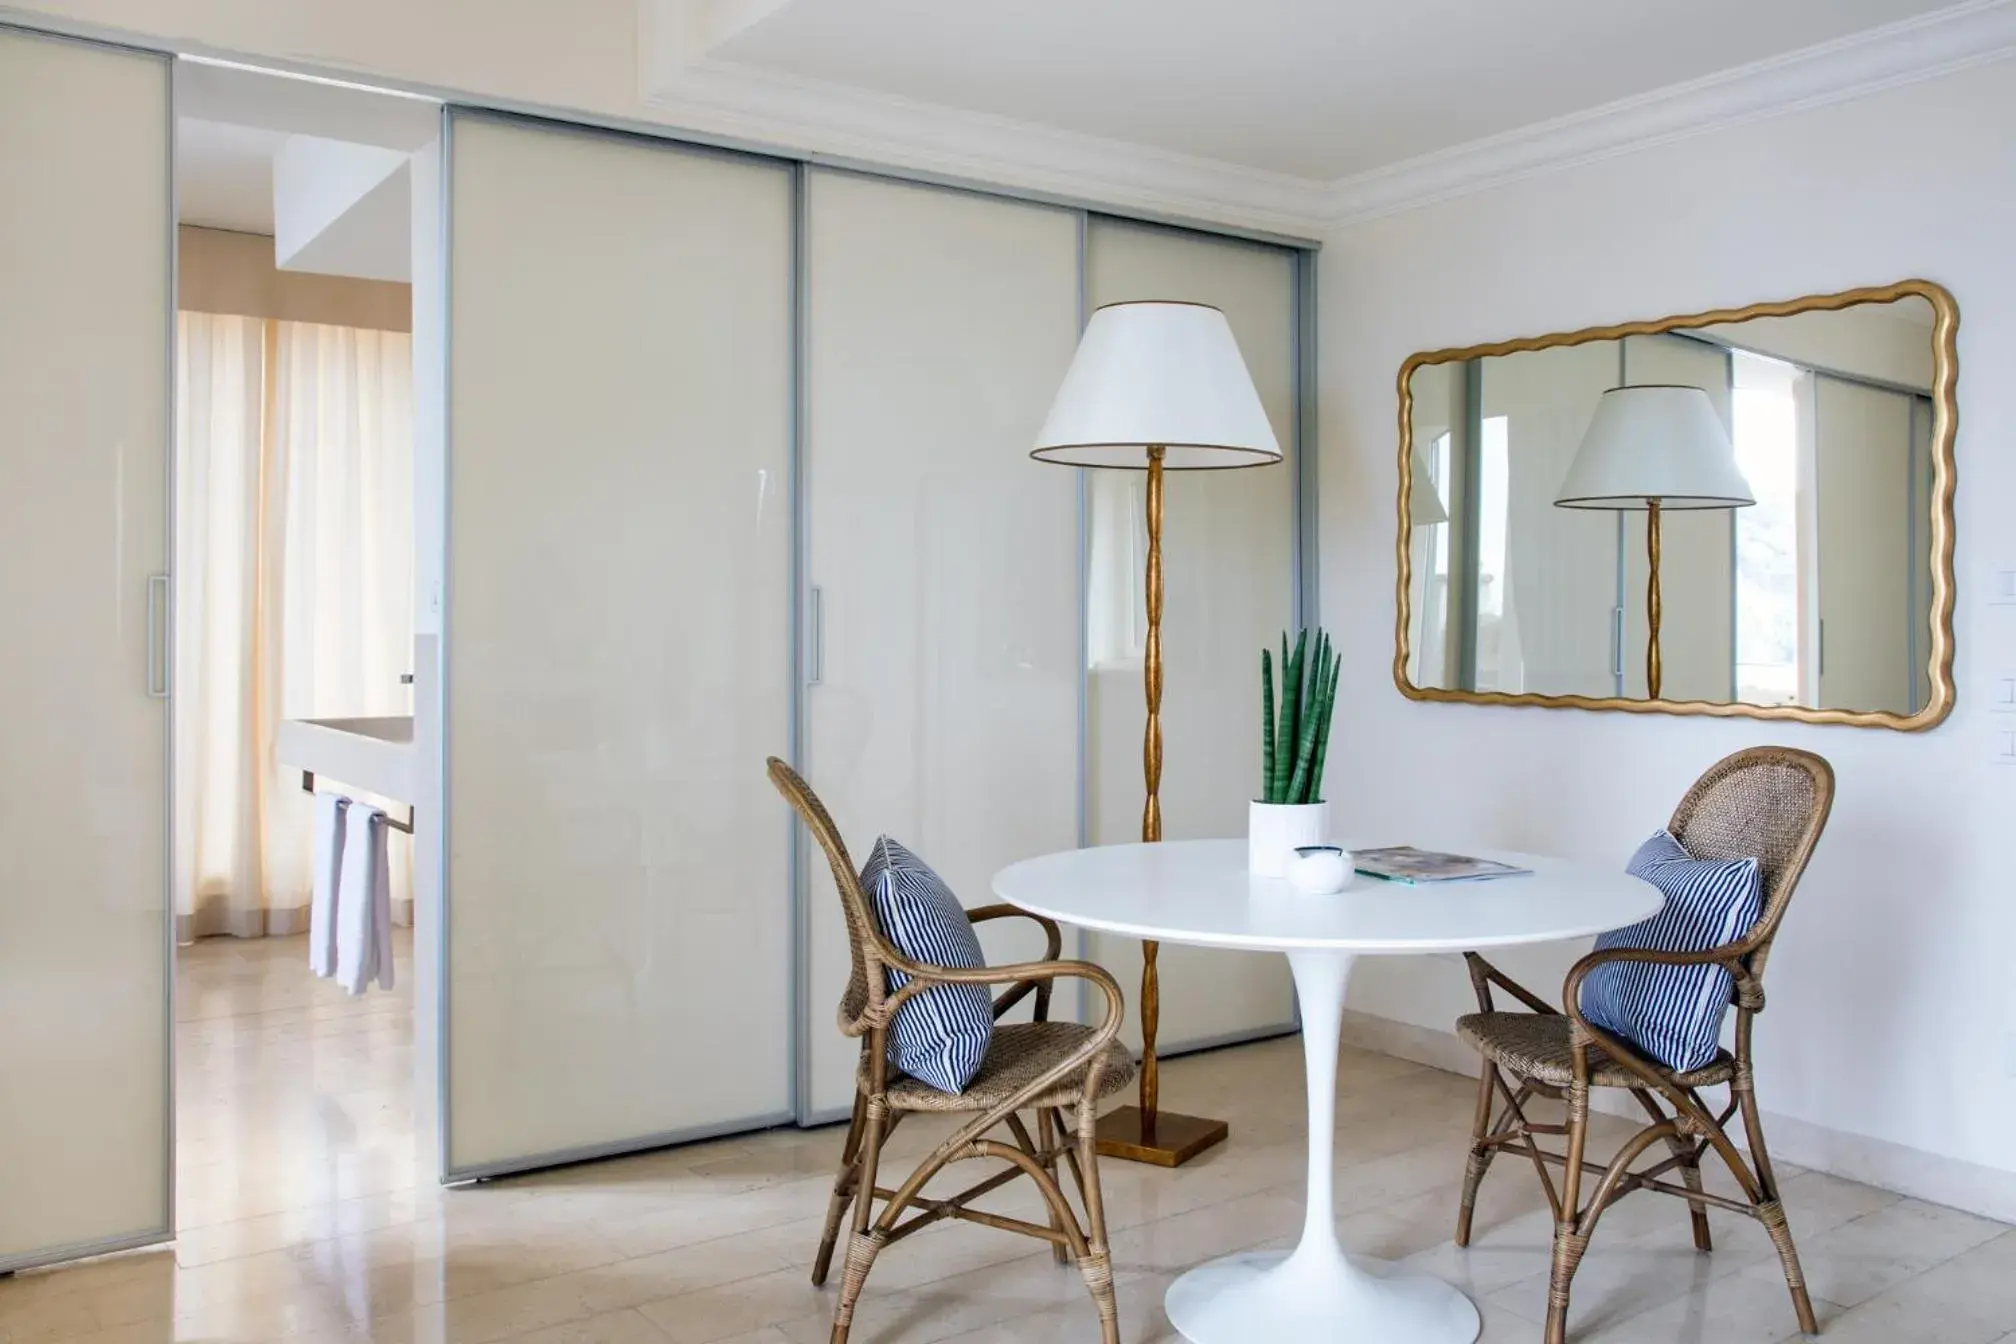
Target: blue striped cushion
941, 1036
1674, 1013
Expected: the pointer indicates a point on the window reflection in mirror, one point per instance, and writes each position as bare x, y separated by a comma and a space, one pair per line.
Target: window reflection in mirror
1820, 595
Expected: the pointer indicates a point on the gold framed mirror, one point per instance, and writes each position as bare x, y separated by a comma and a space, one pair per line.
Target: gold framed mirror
1740, 512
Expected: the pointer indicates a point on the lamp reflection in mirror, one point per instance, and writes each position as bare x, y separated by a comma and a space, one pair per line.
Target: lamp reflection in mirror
1156, 385
1648, 449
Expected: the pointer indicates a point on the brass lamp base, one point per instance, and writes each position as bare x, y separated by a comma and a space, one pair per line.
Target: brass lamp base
1169, 1140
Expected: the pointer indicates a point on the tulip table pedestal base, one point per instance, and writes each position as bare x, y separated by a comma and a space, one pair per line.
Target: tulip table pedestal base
1316, 1294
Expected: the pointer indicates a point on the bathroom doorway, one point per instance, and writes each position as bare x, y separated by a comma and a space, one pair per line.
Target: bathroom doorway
294, 602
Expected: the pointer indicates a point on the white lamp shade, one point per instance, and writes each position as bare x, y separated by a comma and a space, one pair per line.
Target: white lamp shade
1158, 374
1647, 443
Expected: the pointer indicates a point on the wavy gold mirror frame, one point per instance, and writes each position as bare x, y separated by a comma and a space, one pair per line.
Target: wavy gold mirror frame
1945, 417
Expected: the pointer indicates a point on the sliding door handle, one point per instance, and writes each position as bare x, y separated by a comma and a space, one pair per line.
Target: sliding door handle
815, 636
159, 654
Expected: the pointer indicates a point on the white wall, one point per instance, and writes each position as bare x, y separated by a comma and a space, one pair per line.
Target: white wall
1892, 1022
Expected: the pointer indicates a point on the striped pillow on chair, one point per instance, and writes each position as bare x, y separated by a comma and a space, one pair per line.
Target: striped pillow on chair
1674, 1013
939, 1037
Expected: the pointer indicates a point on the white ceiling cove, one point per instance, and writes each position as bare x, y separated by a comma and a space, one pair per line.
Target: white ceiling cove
235, 121
1278, 109
224, 174
1317, 88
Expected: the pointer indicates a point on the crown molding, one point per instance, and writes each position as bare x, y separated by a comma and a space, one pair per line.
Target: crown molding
856, 125
820, 119
842, 123
1917, 49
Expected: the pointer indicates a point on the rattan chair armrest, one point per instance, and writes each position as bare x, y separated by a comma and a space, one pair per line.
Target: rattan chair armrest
1483, 975
1729, 955
922, 977
1053, 937
1053, 948
1750, 995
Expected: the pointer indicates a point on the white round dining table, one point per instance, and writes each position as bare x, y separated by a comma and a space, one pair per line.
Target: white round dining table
1198, 892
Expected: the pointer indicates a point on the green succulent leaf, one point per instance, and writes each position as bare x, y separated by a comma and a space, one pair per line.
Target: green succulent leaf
1295, 727
1266, 725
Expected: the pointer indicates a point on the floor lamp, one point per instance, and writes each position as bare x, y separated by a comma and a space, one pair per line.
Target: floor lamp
1650, 449
1158, 386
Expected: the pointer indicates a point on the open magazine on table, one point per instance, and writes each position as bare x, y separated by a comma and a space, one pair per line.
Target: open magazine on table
1404, 863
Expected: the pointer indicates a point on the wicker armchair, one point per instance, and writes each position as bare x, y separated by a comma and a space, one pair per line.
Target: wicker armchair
1767, 802
1058, 1070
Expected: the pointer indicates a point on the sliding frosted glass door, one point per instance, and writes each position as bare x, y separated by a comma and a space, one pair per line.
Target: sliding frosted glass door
1863, 475
943, 608
1229, 574
616, 636
1546, 578
85, 315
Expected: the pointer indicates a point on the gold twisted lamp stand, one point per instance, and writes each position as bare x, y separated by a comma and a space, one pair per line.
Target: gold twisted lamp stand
1146, 1133
1654, 610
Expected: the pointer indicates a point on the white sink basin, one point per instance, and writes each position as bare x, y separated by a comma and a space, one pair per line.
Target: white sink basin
369, 755
385, 730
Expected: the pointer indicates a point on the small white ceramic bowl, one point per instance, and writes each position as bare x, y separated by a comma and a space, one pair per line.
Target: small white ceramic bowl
1319, 870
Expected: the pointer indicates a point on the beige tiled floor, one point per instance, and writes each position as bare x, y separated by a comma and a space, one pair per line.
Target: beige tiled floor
302, 1220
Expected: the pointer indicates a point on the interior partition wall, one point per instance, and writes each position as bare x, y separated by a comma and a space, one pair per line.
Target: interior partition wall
738, 465
618, 949
726, 456
942, 667
86, 309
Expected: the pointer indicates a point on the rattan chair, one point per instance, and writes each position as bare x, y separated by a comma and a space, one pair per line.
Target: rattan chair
1059, 1070
1766, 802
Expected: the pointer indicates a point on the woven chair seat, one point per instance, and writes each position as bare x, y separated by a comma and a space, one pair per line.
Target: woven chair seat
1535, 1045
1020, 1053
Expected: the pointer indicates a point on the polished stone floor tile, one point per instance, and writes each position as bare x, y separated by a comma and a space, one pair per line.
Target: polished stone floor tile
304, 1221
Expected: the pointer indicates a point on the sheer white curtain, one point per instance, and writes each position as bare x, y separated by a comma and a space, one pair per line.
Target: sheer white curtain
294, 593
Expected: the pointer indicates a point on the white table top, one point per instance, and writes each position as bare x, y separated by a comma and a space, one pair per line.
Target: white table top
1199, 892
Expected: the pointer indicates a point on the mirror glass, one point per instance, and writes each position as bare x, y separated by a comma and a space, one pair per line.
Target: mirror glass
1800, 464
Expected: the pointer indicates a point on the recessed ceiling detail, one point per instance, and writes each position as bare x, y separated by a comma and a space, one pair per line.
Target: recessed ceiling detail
320, 165
1333, 108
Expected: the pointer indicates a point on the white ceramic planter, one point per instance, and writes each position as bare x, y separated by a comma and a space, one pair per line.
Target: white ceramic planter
1275, 830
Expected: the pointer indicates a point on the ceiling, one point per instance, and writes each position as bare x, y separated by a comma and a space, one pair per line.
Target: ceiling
224, 174
1319, 89
233, 122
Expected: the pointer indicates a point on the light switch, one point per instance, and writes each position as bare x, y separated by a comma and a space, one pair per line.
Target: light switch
2002, 589
2002, 700
2005, 745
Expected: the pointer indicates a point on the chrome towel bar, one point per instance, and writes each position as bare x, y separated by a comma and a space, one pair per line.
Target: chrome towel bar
308, 786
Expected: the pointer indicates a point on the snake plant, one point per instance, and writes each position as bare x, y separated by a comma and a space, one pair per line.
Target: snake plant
1293, 743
